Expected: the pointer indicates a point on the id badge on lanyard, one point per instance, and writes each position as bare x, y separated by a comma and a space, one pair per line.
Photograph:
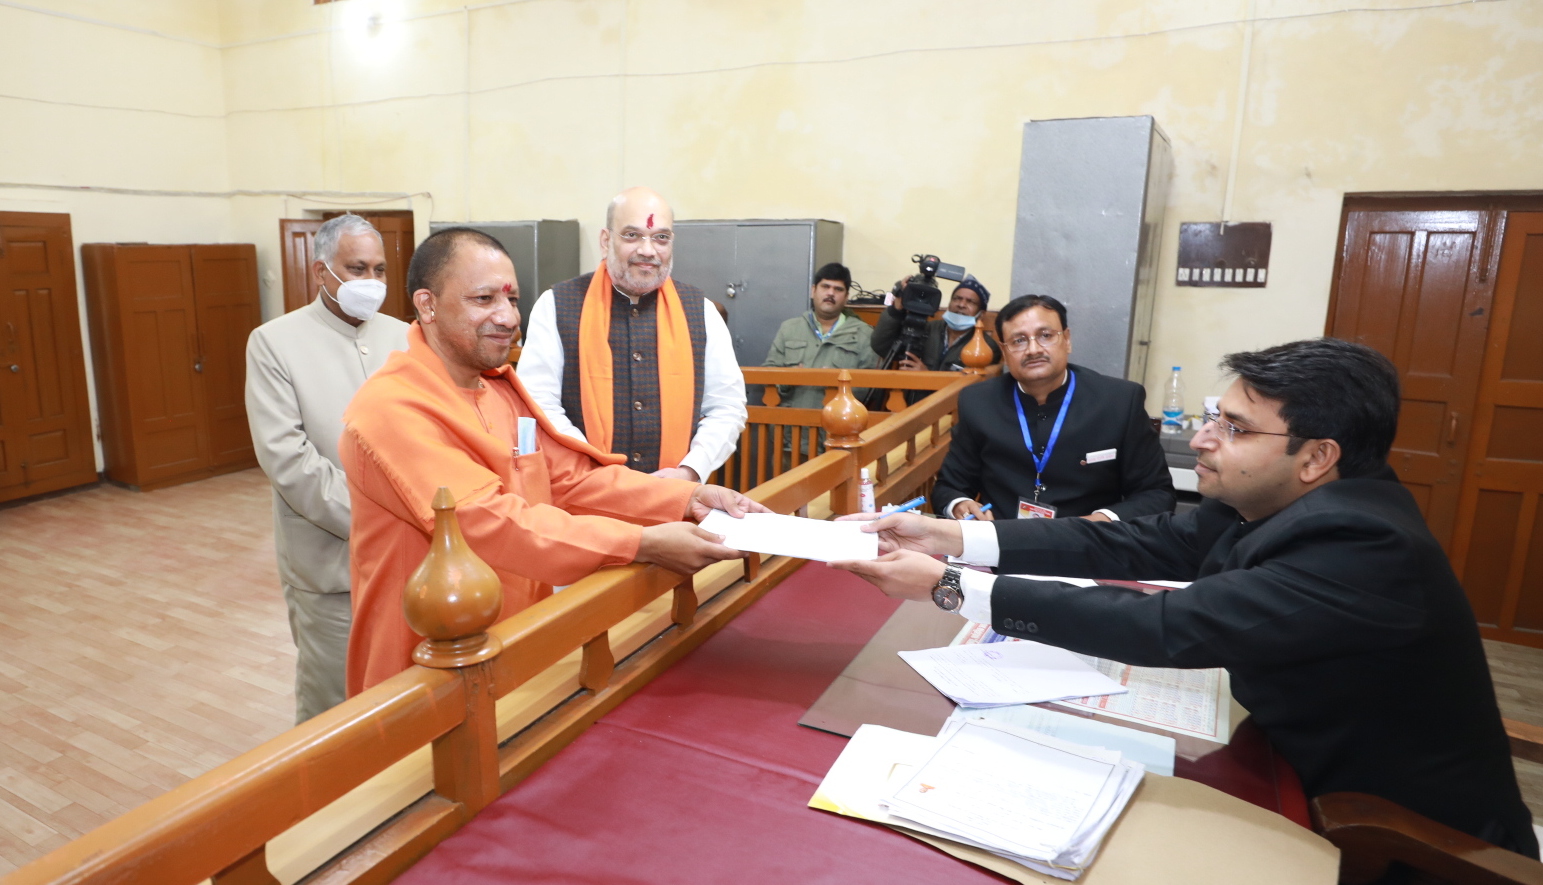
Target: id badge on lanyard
1030, 510
1033, 509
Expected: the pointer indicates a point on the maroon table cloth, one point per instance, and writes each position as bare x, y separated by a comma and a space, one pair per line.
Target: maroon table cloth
705, 775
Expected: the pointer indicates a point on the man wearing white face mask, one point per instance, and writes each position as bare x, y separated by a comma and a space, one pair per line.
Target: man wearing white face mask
301, 371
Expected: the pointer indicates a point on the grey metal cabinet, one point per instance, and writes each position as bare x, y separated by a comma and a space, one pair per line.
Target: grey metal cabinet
545, 253
1091, 196
758, 269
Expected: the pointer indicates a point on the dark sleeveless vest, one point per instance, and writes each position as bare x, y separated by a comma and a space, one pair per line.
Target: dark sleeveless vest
634, 340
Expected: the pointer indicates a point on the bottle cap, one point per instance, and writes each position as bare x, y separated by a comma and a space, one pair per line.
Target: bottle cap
864, 473
1175, 368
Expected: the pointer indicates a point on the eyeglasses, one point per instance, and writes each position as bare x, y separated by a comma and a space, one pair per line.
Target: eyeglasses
1227, 430
661, 239
1047, 339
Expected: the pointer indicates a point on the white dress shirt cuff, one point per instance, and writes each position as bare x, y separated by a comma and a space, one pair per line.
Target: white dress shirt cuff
980, 543
1113, 517
977, 595
949, 513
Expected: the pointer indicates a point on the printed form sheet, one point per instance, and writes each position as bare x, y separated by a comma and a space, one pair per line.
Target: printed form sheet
1192, 702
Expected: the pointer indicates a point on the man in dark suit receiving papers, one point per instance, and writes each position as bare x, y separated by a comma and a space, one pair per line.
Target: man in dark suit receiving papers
1315, 583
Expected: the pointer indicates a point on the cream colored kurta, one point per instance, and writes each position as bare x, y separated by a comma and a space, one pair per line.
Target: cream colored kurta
302, 369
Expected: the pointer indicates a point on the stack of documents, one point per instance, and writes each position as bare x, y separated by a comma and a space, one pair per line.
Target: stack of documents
995, 674
1184, 702
1032, 799
1155, 752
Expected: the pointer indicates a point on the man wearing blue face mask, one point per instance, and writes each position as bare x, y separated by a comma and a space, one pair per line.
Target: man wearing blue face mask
946, 337
301, 371
943, 350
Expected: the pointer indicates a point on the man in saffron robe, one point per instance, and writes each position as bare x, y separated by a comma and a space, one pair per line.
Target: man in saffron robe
447, 413
632, 360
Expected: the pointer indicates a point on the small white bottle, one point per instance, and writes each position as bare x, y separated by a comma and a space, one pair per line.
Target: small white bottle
1173, 404
865, 493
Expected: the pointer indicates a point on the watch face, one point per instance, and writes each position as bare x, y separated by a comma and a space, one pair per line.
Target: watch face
947, 598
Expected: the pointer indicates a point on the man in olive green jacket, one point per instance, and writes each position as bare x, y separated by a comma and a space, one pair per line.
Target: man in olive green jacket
824, 337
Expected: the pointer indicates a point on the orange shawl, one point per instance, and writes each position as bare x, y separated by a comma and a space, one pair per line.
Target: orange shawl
677, 370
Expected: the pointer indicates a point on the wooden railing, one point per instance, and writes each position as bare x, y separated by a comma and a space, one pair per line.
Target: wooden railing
778, 438
362, 791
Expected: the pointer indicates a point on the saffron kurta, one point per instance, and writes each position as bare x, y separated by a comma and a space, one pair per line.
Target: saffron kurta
543, 518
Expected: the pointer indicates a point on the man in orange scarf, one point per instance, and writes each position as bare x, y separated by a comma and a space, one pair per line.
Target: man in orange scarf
449, 412
633, 361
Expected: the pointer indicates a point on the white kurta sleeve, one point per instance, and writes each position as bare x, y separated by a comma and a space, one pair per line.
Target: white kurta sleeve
310, 484
723, 399
541, 364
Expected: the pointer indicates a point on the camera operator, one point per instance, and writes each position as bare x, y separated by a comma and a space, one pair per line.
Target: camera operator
945, 339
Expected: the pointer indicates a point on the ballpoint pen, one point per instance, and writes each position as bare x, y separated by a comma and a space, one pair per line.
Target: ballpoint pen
970, 516
911, 504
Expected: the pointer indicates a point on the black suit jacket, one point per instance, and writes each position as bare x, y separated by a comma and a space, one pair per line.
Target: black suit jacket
987, 457
1345, 631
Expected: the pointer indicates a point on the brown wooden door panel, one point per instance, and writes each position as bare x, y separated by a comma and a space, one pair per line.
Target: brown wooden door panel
45, 423
1498, 549
225, 290
296, 238
396, 233
160, 346
1409, 286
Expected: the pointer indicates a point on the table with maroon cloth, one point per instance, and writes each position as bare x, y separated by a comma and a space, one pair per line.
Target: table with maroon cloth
704, 775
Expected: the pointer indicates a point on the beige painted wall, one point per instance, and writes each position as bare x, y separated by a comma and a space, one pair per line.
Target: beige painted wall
901, 119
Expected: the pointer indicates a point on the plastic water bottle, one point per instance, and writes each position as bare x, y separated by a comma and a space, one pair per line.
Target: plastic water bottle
865, 493
1173, 403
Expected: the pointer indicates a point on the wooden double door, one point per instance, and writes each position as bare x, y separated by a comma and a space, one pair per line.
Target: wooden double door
169, 326
297, 237
1451, 289
45, 419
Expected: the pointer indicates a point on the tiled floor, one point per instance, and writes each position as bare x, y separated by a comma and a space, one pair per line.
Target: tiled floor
143, 641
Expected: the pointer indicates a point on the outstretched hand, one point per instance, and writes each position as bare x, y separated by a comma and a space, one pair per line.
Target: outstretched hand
708, 498
903, 574
682, 548
908, 531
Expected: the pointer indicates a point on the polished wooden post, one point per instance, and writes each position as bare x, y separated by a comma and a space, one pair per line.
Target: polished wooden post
597, 663
451, 600
976, 355
844, 419
683, 602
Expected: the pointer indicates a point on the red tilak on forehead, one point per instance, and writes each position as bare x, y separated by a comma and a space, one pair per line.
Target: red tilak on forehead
508, 287
650, 222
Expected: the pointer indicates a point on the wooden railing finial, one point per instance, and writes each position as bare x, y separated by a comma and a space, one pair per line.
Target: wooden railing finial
845, 418
453, 597
976, 355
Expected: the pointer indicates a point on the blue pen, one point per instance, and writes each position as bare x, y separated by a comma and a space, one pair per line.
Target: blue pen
911, 504
970, 516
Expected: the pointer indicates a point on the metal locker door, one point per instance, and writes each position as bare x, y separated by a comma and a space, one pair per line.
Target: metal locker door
772, 263
704, 257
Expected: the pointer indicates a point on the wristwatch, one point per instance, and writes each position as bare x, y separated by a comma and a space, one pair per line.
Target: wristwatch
947, 593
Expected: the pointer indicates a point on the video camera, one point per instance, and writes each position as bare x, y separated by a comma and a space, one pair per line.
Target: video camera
920, 298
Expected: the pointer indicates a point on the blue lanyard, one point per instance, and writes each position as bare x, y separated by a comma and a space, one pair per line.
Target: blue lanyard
814, 323
1055, 431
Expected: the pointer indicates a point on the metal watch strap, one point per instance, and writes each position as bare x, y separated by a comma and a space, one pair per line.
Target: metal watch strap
947, 594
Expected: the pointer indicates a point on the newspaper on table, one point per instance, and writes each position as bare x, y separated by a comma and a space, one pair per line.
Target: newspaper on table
1188, 702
